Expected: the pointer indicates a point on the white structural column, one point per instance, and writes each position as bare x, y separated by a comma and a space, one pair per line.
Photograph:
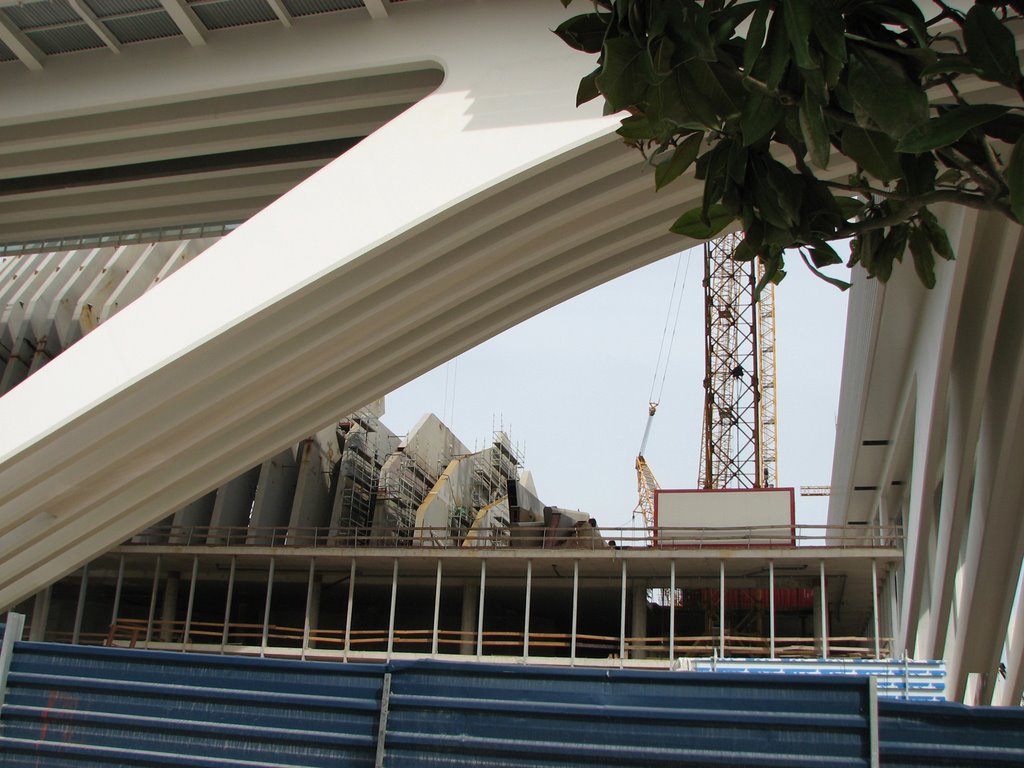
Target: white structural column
485, 203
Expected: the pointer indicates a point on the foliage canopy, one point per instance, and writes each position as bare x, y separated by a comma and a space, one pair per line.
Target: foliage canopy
811, 121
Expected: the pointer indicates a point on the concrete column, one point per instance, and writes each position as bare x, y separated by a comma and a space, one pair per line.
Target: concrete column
170, 606
470, 605
638, 625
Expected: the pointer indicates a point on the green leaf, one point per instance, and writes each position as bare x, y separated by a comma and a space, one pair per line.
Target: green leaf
760, 115
948, 127
811, 263
755, 35
1015, 180
830, 29
884, 91
873, 151
924, 259
588, 88
771, 68
824, 255
990, 45
691, 223
936, 234
584, 33
682, 158
851, 207
951, 64
799, 23
636, 127
812, 126
621, 79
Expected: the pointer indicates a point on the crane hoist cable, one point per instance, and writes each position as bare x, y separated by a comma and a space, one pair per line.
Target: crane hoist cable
646, 482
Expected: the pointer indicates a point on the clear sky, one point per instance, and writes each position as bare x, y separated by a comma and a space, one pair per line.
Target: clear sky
571, 388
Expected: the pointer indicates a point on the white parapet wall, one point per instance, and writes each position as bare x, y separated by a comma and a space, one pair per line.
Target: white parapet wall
751, 517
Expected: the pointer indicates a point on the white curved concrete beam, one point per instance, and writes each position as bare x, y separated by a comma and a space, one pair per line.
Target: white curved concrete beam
490, 200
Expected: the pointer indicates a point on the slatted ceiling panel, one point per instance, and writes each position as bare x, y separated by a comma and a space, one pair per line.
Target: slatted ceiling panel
222, 14
151, 25
74, 37
313, 7
45, 14
6, 54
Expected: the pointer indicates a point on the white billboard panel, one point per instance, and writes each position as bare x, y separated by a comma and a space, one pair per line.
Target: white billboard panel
739, 517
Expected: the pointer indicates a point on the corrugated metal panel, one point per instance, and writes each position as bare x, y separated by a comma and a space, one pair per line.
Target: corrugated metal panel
78, 37
927, 735
150, 26
312, 7
32, 15
221, 14
6, 54
82, 706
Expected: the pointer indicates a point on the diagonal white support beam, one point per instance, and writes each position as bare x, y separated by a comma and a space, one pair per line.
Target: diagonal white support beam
488, 201
377, 9
280, 11
93, 22
186, 20
26, 51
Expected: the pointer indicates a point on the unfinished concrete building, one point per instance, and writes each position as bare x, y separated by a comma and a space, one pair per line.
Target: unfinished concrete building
361, 543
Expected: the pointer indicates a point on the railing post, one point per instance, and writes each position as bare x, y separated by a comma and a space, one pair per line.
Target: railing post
152, 600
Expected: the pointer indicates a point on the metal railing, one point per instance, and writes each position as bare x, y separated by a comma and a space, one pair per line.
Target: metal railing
242, 638
582, 537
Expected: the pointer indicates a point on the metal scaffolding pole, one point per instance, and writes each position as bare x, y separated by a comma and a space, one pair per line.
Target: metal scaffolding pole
874, 607
575, 609
117, 592
671, 610
480, 610
771, 609
227, 604
348, 609
152, 600
721, 609
191, 601
526, 618
76, 633
437, 609
266, 609
824, 610
622, 618
309, 603
394, 600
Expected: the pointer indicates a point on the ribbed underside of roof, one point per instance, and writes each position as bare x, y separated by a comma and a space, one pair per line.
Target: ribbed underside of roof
56, 27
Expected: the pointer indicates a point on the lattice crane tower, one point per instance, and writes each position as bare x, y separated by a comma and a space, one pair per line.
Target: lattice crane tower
739, 432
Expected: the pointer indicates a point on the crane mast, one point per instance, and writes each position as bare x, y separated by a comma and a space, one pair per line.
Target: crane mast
739, 432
